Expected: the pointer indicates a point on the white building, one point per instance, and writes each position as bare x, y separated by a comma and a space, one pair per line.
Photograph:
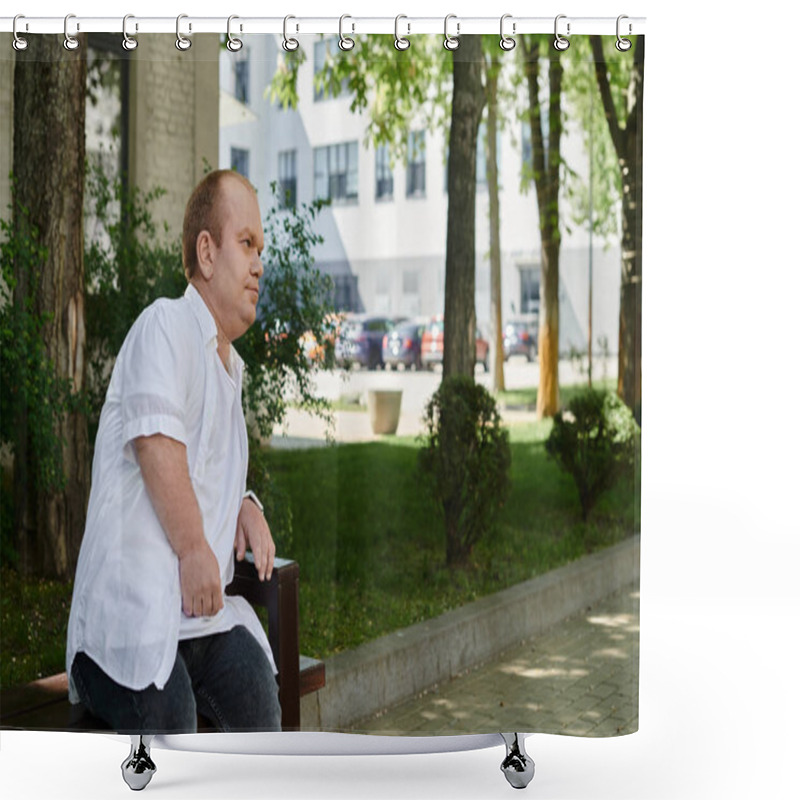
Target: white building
384, 233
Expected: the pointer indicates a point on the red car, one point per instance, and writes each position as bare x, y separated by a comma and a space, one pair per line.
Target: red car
432, 349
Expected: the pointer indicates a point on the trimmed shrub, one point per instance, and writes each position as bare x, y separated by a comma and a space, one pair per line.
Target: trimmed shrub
595, 440
466, 459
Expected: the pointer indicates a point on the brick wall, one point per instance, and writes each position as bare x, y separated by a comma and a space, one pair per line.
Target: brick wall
174, 114
174, 118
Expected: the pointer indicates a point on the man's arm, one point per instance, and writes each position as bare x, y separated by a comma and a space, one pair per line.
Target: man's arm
252, 528
165, 471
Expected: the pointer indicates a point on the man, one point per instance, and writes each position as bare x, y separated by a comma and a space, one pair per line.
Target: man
152, 639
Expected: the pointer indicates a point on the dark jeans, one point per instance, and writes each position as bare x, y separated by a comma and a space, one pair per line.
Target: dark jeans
225, 677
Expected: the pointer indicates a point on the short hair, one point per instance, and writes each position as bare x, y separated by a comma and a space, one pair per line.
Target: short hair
204, 213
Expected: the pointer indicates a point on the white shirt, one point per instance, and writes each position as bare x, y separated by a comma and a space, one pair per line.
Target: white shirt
126, 612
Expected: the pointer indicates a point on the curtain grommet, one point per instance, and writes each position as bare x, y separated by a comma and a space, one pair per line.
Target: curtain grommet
506, 42
128, 42
400, 42
19, 43
289, 44
233, 44
70, 42
181, 42
346, 43
623, 45
560, 43
451, 42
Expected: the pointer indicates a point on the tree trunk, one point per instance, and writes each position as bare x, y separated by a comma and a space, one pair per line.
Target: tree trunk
496, 294
628, 145
629, 385
546, 154
459, 295
49, 115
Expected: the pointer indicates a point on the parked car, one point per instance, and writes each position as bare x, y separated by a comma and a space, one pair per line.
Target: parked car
361, 340
519, 339
403, 345
432, 349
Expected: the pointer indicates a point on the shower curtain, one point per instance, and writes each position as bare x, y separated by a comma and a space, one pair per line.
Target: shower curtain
462, 500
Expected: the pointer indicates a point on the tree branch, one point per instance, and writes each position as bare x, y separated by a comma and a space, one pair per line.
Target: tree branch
605, 95
531, 67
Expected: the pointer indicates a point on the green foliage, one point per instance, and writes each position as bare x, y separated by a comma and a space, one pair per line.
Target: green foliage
277, 505
595, 440
32, 396
283, 88
129, 262
467, 459
295, 301
400, 91
33, 627
600, 200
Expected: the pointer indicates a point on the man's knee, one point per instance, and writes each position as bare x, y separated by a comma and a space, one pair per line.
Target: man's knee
238, 686
260, 689
168, 710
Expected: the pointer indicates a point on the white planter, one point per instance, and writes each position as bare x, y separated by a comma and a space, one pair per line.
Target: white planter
384, 409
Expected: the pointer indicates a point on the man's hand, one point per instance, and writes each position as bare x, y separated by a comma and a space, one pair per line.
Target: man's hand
201, 588
252, 529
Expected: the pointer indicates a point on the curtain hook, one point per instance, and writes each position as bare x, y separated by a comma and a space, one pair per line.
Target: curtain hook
289, 44
128, 42
70, 42
451, 42
400, 42
506, 42
345, 42
19, 43
233, 44
181, 42
560, 43
623, 45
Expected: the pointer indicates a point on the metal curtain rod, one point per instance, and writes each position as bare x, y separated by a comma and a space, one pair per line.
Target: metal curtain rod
408, 26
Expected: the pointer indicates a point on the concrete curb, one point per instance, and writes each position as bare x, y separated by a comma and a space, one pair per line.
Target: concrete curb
396, 667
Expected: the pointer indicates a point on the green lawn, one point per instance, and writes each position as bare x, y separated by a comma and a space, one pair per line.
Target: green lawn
33, 627
370, 545
370, 542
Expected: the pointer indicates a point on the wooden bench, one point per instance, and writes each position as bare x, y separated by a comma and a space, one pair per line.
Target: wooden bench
43, 704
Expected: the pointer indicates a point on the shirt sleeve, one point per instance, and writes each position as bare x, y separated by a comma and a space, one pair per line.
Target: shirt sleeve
156, 367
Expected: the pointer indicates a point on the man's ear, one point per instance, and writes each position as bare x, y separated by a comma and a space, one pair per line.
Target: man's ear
206, 252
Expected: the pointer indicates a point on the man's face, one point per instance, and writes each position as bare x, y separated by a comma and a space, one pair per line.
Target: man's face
237, 262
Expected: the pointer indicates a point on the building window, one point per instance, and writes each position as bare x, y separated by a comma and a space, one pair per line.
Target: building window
529, 278
410, 282
480, 165
345, 289
287, 178
336, 172
384, 181
240, 161
241, 76
415, 172
322, 50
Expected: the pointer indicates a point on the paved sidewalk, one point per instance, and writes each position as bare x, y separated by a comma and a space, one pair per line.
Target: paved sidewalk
581, 678
302, 430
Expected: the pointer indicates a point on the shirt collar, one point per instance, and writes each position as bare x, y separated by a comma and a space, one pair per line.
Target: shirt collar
205, 318
208, 326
